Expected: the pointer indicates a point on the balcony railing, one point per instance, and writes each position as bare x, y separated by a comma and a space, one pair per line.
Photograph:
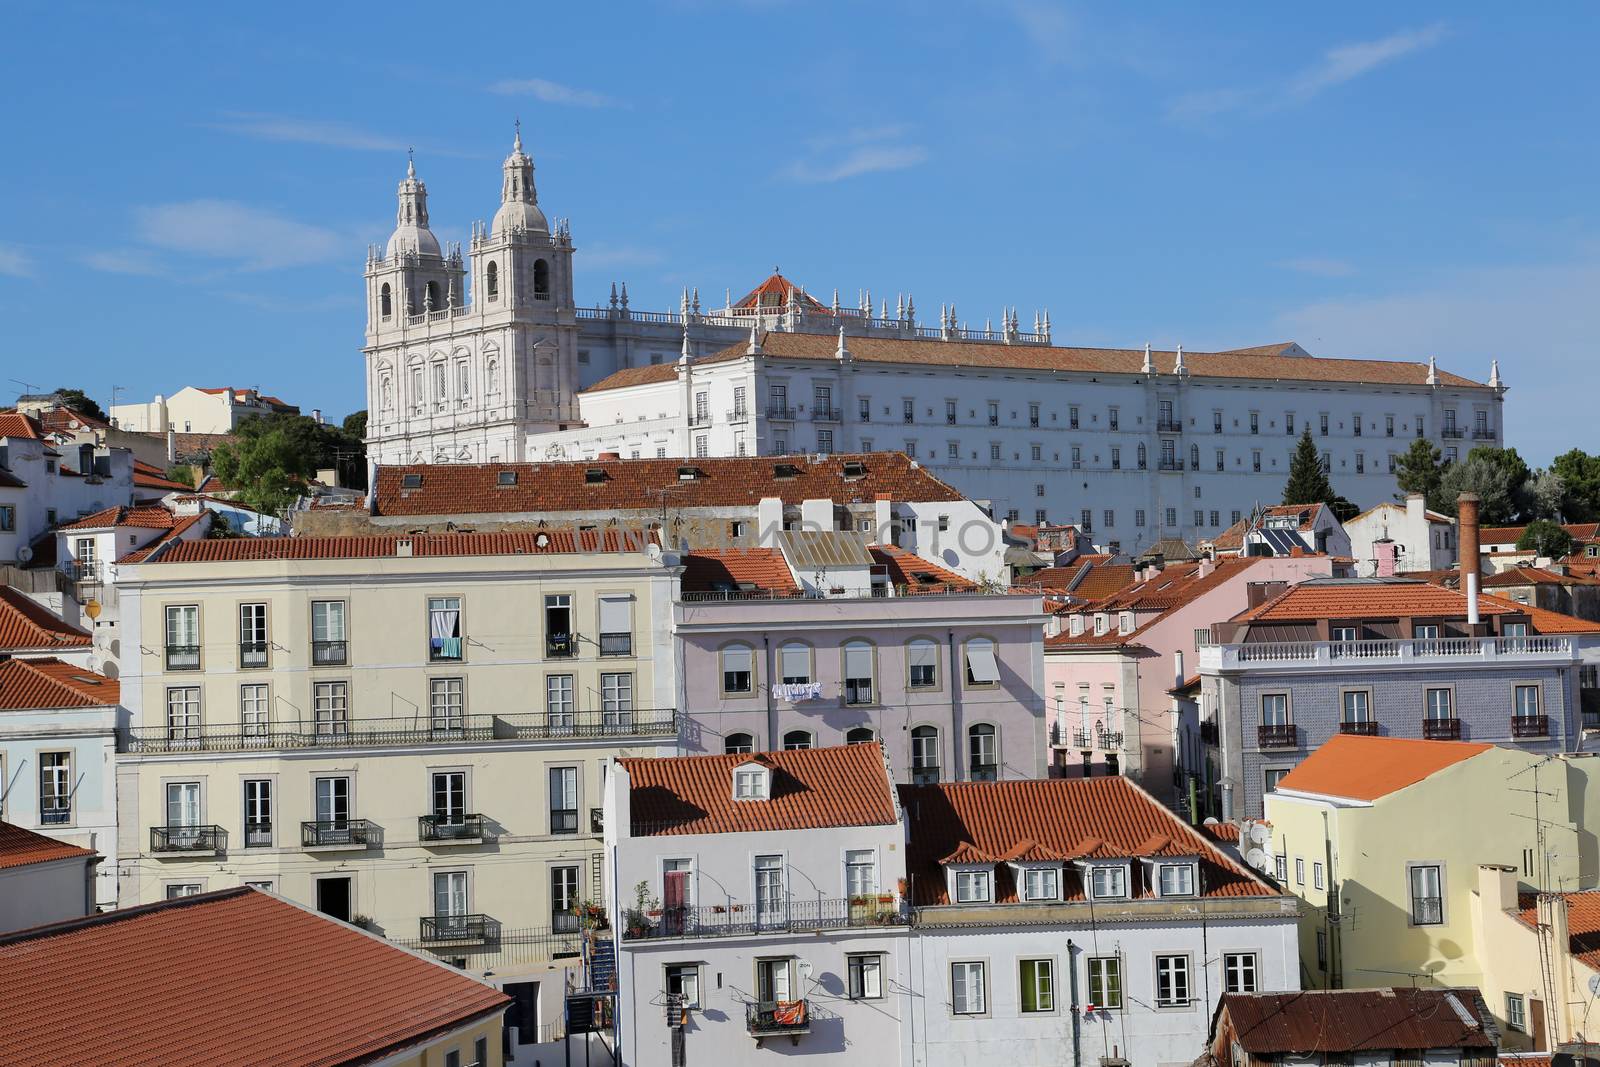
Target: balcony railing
258, 834
857, 691
697, 419
1441, 729
1453, 651
183, 657
1483, 433
1109, 739
1280, 735
1365, 727
339, 833
55, 811
777, 1018
740, 920
1168, 426
1530, 726
985, 772
450, 829
420, 730
560, 646
738, 414
1167, 464
328, 653
1452, 432
188, 840
458, 929
927, 774
781, 412
824, 414
252, 653
616, 644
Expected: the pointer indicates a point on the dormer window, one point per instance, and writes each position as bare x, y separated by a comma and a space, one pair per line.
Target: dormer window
855, 469
1125, 622
1041, 883
689, 474
506, 478
1101, 624
1175, 879
1077, 626
785, 470
1109, 882
751, 781
594, 476
411, 481
974, 886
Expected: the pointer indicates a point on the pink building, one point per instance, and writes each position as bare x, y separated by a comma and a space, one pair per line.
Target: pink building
1110, 670
947, 674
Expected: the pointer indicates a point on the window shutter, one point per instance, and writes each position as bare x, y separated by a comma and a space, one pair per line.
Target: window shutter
796, 661
858, 661
736, 658
981, 663
616, 614
924, 654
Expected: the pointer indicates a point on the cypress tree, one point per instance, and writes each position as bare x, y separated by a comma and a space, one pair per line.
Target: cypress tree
1308, 482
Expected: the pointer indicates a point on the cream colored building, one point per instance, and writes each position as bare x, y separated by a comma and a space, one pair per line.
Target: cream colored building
1383, 839
409, 733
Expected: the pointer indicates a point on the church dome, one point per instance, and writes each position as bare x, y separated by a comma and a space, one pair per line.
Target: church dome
519, 215
519, 201
411, 233
412, 238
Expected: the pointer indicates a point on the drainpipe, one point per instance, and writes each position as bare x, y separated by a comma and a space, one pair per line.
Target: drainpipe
772, 716
958, 754
1077, 1024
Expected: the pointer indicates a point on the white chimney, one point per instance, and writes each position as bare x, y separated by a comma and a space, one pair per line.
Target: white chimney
1178, 677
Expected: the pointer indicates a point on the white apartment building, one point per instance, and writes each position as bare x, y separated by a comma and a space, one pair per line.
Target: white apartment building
1394, 538
196, 409
40, 486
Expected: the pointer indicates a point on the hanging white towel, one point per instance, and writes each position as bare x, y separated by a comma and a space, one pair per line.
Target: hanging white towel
795, 692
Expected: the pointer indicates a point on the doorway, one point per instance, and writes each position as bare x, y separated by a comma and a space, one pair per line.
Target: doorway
523, 1015
333, 897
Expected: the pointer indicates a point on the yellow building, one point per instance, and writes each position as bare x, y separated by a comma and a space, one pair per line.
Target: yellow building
409, 733
1541, 954
1383, 839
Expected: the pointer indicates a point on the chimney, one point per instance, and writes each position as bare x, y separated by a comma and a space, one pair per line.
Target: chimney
1497, 887
86, 460
1384, 552
1177, 669
608, 456
1467, 526
1206, 566
172, 446
316, 416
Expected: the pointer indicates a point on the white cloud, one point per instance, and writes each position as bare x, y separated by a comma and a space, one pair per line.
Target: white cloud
228, 230
863, 150
15, 262
303, 131
1319, 266
551, 92
602, 255
124, 261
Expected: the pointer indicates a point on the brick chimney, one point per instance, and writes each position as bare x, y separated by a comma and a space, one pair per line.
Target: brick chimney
1467, 527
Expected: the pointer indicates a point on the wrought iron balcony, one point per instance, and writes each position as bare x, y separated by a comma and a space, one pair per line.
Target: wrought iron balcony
740, 920
927, 774
985, 772
1280, 735
781, 412
183, 657
1452, 432
207, 840
457, 829
560, 645
738, 414
252, 653
1530, 726
777, 1018
1168, 426
458, 929
1441, 729
339, 834
1082, 738
824, 414
616, 644
1364, 727
328, 653
1170, 464
1109, 739
1483, 433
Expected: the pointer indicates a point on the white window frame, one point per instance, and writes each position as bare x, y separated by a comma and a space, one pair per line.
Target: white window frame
1173, 971
973, 886
1240, 972
969, 987
1116, 885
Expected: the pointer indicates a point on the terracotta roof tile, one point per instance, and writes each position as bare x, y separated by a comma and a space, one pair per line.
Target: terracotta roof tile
1174, 586
726, 570
508, 543
1583, 922
812, 788
19, 848
1399, 598
1352, 1020
180, 526
1103, 817
27, 625
151, 518
779, 289
28, 684
237, 976
1366, 768
638, 484
1514, 577
911, 570
149, 476
1503, 535
17, 424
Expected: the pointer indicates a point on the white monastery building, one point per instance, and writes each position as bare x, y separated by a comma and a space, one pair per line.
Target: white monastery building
1134, 445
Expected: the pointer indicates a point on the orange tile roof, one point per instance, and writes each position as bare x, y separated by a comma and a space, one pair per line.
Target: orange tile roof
1514, 577
25, 624
507, 543
639, 484
776, 285
909, 569
151, 518
812, 789
1323, 599
1237, 363
1101, 817
1175, 586
1365, 768
1223, 832
180, 526
1501, 535
1583, 922
29, 684
149, 476
707, 570
1348, 1020
19, 848
17, 424
231, 977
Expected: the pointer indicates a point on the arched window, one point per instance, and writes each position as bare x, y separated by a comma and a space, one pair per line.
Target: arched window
541, 280
1141, 457
925, 755
983, 756
434, 304
386, 299
794, 663
1194, 457
860, 735
734, 744
493, 278
796, 739
738, 676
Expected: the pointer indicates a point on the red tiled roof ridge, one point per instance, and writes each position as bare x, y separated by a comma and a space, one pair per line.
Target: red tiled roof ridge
386, 545
48, 682
27, 624
21, 847
149, 516
1368, 768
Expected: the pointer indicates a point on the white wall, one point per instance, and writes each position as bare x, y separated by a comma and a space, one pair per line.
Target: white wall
41, 893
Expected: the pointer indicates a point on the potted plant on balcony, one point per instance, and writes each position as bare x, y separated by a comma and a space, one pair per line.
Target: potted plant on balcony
591, 915
636, 919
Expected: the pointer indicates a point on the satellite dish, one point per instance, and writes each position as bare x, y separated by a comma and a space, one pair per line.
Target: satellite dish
1257, 859
92, 609
1210, 820
24, 554
1259, 833
1594, 985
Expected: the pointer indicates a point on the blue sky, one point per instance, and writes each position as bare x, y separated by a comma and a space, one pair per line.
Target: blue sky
189, 190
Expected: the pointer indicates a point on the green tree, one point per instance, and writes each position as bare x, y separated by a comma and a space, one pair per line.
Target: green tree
81, 402
1418, 470
1490, 480
1519, 479
181, 472
1580, 472
355, 424
269, 462
1545, 538
1308, 482
1549, 494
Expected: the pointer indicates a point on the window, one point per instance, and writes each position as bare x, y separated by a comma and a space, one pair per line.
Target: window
796, 739
967, 992
616, 700
450, 899
1316, 875
982, 669
558, 704
178, 890
750, 783
492, 277
1255, 422
994, 451
973, 887
1426, 632
825, 441
953, 451
865, 973
183, 714
1105, 983
1275, 709
861, 873
683, 983
770, 897
55, 788
1438, 704
857, 672
252, 635
1041, 883
1172, 981
1172, 517
1357, 706
924, 755
1109, 883
1280, 866
332, 804
864, 409
736, 669
794, 663
330, 708
702, 446
616, 624
859, 735
738, 743
1516, 1013
1239, 972
923, 659
994, 413
822, 402
1221, 459
183, 638
183, 804
328, 637
8, 518
1514, 629
449, 798
1255, 461
563, 800
386, 301
983, 758
1527, 701
1116, 459
1177, 879
772, 979
564, 898
445, 703
1037, 985
257, 812
1300, 870
1427, 898
1355, 424
1342, 633
1111, 418
541, 280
